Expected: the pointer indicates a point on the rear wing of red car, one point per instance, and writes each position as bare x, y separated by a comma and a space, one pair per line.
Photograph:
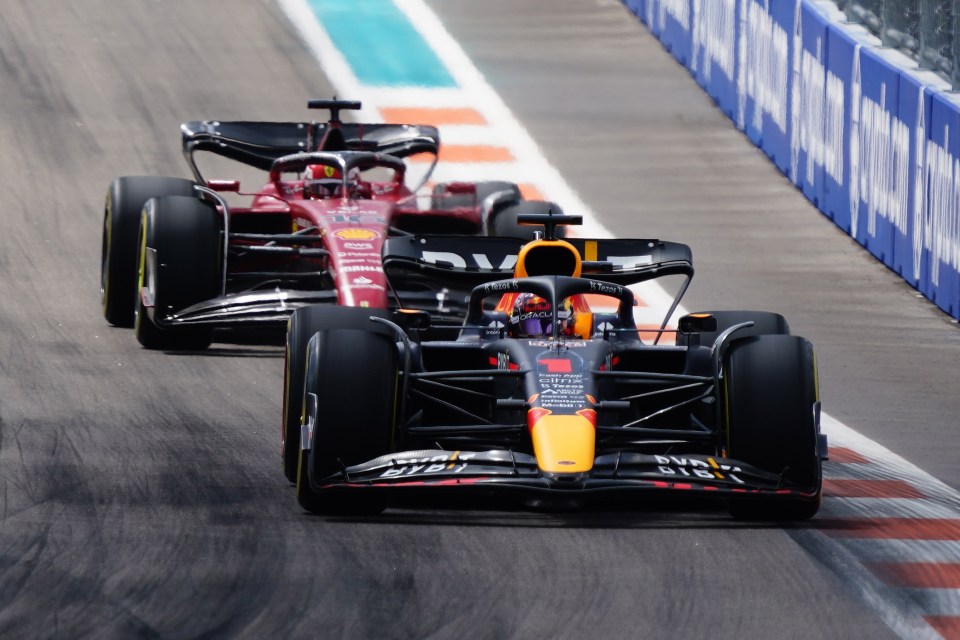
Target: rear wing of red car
258, 144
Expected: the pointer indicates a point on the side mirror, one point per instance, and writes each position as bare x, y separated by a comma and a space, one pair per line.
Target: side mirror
697, 323
224, 185
412, 319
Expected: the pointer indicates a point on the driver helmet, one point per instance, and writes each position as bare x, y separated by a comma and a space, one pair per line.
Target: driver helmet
322, 181
531, 317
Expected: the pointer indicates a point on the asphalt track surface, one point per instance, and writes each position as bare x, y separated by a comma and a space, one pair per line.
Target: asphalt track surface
141, 492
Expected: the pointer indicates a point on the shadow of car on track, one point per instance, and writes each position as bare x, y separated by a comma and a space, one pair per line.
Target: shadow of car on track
643, 513
241, 344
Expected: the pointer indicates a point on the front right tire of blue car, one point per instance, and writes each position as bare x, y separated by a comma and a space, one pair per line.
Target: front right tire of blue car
353, 373
772, 402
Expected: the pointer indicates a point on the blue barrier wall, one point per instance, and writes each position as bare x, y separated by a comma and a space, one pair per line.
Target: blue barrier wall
843, 56
713, 48
874, 181
809, 107
873, 142
941, 235
914, 110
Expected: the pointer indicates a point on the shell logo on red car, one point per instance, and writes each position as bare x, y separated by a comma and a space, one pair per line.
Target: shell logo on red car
356, 234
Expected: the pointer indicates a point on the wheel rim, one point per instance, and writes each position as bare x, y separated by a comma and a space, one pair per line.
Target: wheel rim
141, 271
105, 260
285, 443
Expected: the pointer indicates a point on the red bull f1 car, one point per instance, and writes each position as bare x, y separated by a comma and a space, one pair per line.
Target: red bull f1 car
544, 396
181, 257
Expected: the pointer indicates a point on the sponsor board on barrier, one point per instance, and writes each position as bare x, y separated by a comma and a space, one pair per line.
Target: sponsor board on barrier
762, 79
879, 155
913, 111
679, 10
672, 24
843, 52
713, 50
777, 126
816, 124
939, 226
844, 119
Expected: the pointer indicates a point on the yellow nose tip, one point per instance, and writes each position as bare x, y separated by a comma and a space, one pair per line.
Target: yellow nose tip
563, 443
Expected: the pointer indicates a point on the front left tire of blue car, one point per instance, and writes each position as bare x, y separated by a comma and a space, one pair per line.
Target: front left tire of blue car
354, 375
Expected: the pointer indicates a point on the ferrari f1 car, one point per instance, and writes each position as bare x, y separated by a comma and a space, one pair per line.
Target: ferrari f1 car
575, 406
178, 260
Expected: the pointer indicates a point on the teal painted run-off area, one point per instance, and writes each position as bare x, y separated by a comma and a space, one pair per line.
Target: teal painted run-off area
380, 44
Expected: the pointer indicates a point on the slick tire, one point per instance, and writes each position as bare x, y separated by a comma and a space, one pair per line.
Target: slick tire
179, 260
507, 194
484, 191
303, 324
354, 374
121, 222
771, 402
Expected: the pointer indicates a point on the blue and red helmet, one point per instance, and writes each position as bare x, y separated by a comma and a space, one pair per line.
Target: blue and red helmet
532, 317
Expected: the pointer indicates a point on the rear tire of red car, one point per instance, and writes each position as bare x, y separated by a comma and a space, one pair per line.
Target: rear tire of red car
184, 233
355, 375
303, 324
509, 195
484, 190
121, 221
772, 423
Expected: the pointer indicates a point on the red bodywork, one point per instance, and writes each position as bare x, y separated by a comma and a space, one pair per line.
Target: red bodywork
299, 241
353, 227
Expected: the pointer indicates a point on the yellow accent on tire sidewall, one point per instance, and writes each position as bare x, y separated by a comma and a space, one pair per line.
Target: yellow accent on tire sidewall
108, 240
141, 269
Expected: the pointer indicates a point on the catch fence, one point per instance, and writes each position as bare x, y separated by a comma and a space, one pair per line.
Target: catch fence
926, 30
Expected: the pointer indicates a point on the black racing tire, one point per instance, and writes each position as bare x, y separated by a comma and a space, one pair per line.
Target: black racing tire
121, 222
184, 234
354, 373
764, 323
303, 324
771, 396
503, 222
483, 191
